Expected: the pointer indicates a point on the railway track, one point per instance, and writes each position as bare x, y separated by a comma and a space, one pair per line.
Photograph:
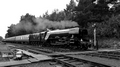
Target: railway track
105, 54
78, 60
30, 49
109, 58
40, 50
68, 61
92, 59
53, 49
47, 50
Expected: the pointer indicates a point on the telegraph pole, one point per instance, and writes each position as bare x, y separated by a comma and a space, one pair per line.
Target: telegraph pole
95, 36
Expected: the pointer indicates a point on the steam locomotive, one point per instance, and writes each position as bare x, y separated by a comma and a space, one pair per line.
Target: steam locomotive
72, 38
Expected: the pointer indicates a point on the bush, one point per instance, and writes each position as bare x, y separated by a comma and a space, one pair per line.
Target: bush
109, 43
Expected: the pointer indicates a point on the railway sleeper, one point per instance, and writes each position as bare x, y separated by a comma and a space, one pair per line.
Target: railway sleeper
64, 63
110, 57
117, 58
70, 61
46, 51
77, 63
105, 56
110, 53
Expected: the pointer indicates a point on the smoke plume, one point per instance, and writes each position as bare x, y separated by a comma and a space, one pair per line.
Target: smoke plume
40, 24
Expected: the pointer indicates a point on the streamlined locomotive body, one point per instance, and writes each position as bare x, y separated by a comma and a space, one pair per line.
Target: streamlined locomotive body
73, 38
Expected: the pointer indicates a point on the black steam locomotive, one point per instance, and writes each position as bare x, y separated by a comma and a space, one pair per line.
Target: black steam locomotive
72, 38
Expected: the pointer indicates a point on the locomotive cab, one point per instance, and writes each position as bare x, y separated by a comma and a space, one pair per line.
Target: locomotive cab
42, 36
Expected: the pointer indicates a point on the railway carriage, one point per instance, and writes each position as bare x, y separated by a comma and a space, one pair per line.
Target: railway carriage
10, 39
23, 39
34, 39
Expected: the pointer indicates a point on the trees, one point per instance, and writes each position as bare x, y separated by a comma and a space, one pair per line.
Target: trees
10, 31
66, 14
95, 11
28, 18
87, 11
55, 16
103, 12
70, 10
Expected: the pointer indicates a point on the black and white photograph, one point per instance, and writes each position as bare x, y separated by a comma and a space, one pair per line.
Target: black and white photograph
60, 33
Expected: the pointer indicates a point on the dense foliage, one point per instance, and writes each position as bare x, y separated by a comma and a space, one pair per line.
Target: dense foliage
105, 13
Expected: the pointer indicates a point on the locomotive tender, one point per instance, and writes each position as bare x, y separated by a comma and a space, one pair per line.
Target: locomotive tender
72, 37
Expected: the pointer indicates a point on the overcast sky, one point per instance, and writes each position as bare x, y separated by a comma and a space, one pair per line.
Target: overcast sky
11, 10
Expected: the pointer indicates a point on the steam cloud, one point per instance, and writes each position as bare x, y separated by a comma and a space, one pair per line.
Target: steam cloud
40, 24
